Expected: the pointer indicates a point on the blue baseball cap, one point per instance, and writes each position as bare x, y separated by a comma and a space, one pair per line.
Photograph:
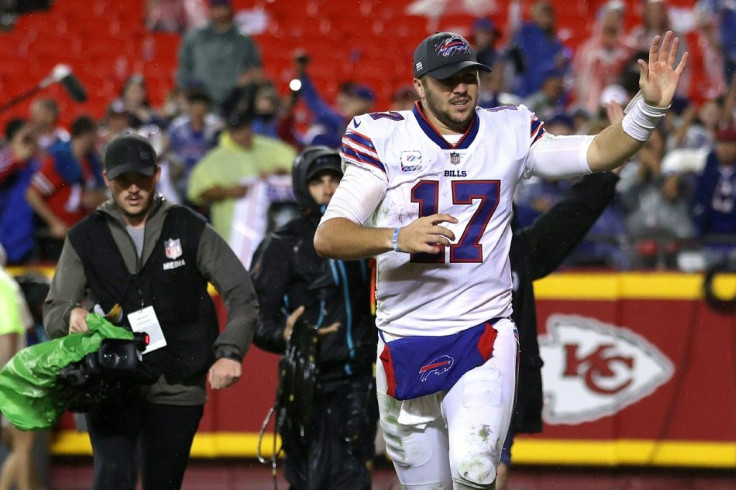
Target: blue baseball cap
485, 24
362, 92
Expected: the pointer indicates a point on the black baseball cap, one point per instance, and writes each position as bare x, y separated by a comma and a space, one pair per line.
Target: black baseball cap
322, 160
129, 153
443, 54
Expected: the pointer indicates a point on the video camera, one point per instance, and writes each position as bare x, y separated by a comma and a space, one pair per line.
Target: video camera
99, 376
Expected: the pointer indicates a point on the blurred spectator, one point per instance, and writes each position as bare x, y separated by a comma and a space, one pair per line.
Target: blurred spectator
724, 16
535, 50
44, 117
267, 108
492, 92
166, 15
17, 166
484, 36
191, 136
68, 186
613, 93
600, 59
403, 98
175, 104
234, 170
655, 21
715, 192
217, 56
175, 15
551, 98
116, 122
581, 119
656, 205
16, 318
709, 64
35, 286
159, 139
329, 123
714, 168
536, 196
263, 100
697, 126
560, 124
134, 96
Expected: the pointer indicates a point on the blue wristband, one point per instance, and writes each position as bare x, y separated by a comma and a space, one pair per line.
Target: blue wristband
395, 240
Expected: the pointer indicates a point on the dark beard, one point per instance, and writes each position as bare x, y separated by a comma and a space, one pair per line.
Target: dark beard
434, 106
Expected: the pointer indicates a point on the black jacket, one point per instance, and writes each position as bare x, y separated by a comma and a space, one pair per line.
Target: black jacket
288, 273
186, 314
536, 251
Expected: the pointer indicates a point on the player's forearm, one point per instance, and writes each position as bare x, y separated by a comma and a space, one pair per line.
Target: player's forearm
340, 238
611, 148
218, 193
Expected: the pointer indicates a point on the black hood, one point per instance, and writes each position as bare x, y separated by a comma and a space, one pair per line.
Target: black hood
307, 164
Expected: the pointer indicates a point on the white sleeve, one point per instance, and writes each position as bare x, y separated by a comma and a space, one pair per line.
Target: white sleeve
559, 157
357, 197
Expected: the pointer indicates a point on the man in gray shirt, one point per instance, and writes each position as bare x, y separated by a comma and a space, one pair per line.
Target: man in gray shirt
217, 55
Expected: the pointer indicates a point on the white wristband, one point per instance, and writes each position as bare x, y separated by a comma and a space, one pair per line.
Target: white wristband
641, 119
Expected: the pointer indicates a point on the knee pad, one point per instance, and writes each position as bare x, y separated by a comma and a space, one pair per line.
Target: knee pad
475, 471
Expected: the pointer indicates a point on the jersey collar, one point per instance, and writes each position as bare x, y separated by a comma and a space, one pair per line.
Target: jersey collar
438, 139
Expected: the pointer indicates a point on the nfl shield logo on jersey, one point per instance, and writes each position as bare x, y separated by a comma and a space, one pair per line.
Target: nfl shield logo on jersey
173, 249
454, 158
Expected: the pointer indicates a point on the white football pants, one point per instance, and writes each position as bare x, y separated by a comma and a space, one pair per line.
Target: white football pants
453, 439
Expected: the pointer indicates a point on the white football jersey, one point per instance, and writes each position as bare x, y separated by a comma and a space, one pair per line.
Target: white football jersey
468, 282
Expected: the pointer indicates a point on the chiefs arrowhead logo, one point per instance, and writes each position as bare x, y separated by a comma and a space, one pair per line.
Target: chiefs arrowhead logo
593, 369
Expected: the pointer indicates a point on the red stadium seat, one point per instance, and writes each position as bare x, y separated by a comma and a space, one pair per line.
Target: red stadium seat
459, 23
407, 26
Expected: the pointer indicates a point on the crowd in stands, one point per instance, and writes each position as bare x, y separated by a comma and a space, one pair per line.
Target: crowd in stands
226, 137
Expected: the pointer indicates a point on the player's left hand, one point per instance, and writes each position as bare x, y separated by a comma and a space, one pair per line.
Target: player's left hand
223, 373
659, 77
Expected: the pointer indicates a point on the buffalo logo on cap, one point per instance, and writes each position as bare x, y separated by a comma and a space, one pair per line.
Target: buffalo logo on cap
453, 46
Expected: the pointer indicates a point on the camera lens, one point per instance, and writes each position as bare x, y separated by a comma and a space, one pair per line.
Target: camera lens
111, 359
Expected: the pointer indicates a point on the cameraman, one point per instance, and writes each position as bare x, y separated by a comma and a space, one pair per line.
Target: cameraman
153, 259
298, 289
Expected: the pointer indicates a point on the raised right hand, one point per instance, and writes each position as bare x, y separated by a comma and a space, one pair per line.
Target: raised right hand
426, 235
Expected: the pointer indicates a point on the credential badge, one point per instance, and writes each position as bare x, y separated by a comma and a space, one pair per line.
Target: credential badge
173, 249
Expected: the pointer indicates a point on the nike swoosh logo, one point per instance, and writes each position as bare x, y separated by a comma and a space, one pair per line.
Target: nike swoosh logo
356, 123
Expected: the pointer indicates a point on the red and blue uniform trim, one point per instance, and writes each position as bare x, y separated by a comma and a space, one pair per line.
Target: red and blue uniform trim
537, 130
359, 147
